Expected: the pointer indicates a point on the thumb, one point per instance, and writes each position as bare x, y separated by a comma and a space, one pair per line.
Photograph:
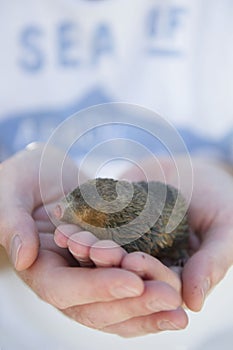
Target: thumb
18, 235
207, 267
21, 191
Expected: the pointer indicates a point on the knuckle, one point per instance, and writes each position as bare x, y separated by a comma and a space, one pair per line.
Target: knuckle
88, 319
82, 315
52, 297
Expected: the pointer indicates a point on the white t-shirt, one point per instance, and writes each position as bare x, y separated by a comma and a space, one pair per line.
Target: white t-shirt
174, 57
60, 56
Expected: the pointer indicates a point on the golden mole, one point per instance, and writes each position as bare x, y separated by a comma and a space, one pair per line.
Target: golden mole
140, 216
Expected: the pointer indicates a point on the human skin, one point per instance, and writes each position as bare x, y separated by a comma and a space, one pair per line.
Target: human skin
85, 294
144, 295
210, 217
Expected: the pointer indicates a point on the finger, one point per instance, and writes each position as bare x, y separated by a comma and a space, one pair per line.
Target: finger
207, 267
62, 234
143, 325
18, 232
106, 253
47, 243
88, 250
18, 235
150, 268
44, 226
64, 286
194, 242
79, 244
20, 194
43, 212
157, 296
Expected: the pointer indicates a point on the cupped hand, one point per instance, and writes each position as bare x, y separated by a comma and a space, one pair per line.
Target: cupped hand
111, 299
210, 218
156, 308
20, 195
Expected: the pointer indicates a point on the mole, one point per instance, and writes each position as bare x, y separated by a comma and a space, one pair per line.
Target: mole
140, 216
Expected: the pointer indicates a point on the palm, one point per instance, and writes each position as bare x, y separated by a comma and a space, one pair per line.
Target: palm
210, 218
85, 294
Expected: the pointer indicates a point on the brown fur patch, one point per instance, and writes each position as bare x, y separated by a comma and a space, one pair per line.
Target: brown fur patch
92, 217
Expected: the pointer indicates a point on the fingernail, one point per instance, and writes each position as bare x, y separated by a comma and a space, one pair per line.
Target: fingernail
166, 325
16, 244
58, 211
205, 289
124, 292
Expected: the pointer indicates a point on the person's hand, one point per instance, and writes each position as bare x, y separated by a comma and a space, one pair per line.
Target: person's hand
103, 298
210, 217
110, 299
20, 195
156, 308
